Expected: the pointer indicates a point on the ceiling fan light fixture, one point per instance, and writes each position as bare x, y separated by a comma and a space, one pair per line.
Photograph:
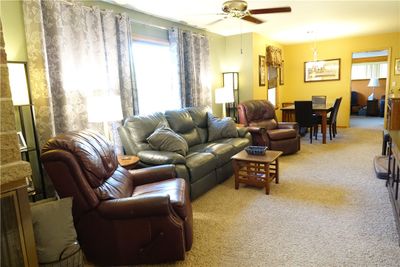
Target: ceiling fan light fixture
234, 6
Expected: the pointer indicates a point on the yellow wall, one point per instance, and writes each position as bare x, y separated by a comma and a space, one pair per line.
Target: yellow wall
14, 30
296, 55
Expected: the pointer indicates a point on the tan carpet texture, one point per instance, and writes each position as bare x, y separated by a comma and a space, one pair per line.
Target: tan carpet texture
328, 210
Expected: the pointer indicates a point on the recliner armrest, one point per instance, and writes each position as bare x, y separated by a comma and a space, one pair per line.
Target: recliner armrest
153, 174
288, 125
135, 207
153, 157
256, 130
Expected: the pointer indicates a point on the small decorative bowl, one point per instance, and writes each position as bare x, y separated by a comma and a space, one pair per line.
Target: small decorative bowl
256, 150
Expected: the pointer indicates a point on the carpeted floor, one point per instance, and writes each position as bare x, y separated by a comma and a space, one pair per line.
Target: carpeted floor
328, 210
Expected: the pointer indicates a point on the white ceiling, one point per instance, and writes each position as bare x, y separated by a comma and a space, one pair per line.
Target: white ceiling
324, 19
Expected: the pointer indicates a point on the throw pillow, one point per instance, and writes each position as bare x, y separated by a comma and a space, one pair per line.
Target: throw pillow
53, 228
220, 128
165, 139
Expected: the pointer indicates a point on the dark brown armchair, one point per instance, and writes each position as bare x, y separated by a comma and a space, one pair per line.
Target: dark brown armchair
260, 118
121, 217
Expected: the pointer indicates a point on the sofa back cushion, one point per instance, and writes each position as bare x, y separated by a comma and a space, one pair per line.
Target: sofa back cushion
140, 127
182, 123
199, 116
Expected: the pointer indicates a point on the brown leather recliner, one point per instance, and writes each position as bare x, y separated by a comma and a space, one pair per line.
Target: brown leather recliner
121, 217
260, 118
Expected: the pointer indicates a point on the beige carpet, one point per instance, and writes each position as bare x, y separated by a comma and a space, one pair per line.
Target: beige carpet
328, 210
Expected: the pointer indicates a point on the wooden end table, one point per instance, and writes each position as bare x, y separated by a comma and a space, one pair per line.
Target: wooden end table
127, 161
256, 170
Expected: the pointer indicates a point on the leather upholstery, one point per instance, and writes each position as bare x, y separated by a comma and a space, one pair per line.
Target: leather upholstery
205, 164
260, 118
121, 217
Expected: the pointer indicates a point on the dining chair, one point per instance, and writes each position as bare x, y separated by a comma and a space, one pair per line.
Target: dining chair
318, 99
304, 116
331, 120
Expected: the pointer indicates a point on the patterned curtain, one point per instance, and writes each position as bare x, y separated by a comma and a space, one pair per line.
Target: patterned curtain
274, 56
76, 53
192, 56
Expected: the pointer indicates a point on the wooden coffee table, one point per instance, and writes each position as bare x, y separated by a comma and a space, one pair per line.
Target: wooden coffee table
256, 170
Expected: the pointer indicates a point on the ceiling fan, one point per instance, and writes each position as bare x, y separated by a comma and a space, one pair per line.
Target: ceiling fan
238, 9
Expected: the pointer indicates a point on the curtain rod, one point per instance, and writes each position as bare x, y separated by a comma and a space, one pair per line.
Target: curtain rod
148, 24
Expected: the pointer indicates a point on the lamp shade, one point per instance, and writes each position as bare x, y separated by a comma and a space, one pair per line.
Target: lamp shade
104, 108
223, 95
374, 82
18, 83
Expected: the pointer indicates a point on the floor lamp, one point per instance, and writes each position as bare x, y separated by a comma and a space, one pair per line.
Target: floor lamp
222, 96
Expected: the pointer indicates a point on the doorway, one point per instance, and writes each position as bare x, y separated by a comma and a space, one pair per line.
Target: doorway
369, 72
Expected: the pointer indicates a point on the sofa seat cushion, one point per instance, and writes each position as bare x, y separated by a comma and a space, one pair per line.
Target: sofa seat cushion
200, 164
281, 134
238, 143
175, 188
223, 152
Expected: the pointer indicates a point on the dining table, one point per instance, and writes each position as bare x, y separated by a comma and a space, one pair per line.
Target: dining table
288, 114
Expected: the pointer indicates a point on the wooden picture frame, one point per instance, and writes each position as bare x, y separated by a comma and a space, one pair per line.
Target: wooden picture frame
397, 66
261, 70
21, 141
322, 70
281, 78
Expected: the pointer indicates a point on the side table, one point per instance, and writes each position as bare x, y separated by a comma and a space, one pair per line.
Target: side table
129, 162
257, 170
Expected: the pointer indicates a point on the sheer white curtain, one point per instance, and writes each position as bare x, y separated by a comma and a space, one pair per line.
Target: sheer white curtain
82, 53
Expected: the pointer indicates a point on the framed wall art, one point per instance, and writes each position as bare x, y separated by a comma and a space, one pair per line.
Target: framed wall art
322, 70
261, 70
281, 80
397, 66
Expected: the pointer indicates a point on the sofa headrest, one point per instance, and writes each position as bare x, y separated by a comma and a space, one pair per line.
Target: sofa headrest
199, 115
142, 126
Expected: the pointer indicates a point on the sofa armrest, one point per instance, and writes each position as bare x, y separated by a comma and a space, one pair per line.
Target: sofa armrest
135, 207
288, 125
127, 143
155, 157
153, 174
242, 131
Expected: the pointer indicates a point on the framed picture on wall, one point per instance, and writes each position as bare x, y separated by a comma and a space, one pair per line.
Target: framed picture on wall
261, 70
322, 70
397, 66
281, 80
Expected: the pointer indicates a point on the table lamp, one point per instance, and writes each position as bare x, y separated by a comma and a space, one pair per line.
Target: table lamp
373, 82
104, 109
222, 96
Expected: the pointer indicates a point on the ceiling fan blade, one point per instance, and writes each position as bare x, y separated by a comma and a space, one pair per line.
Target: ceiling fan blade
270, 10
214, 22
252, 19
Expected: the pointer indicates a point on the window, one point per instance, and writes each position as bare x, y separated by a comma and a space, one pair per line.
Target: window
272, 84
154, 77
361, 71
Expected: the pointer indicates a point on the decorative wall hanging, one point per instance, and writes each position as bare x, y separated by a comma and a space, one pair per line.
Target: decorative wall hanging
322, 70
261, 70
